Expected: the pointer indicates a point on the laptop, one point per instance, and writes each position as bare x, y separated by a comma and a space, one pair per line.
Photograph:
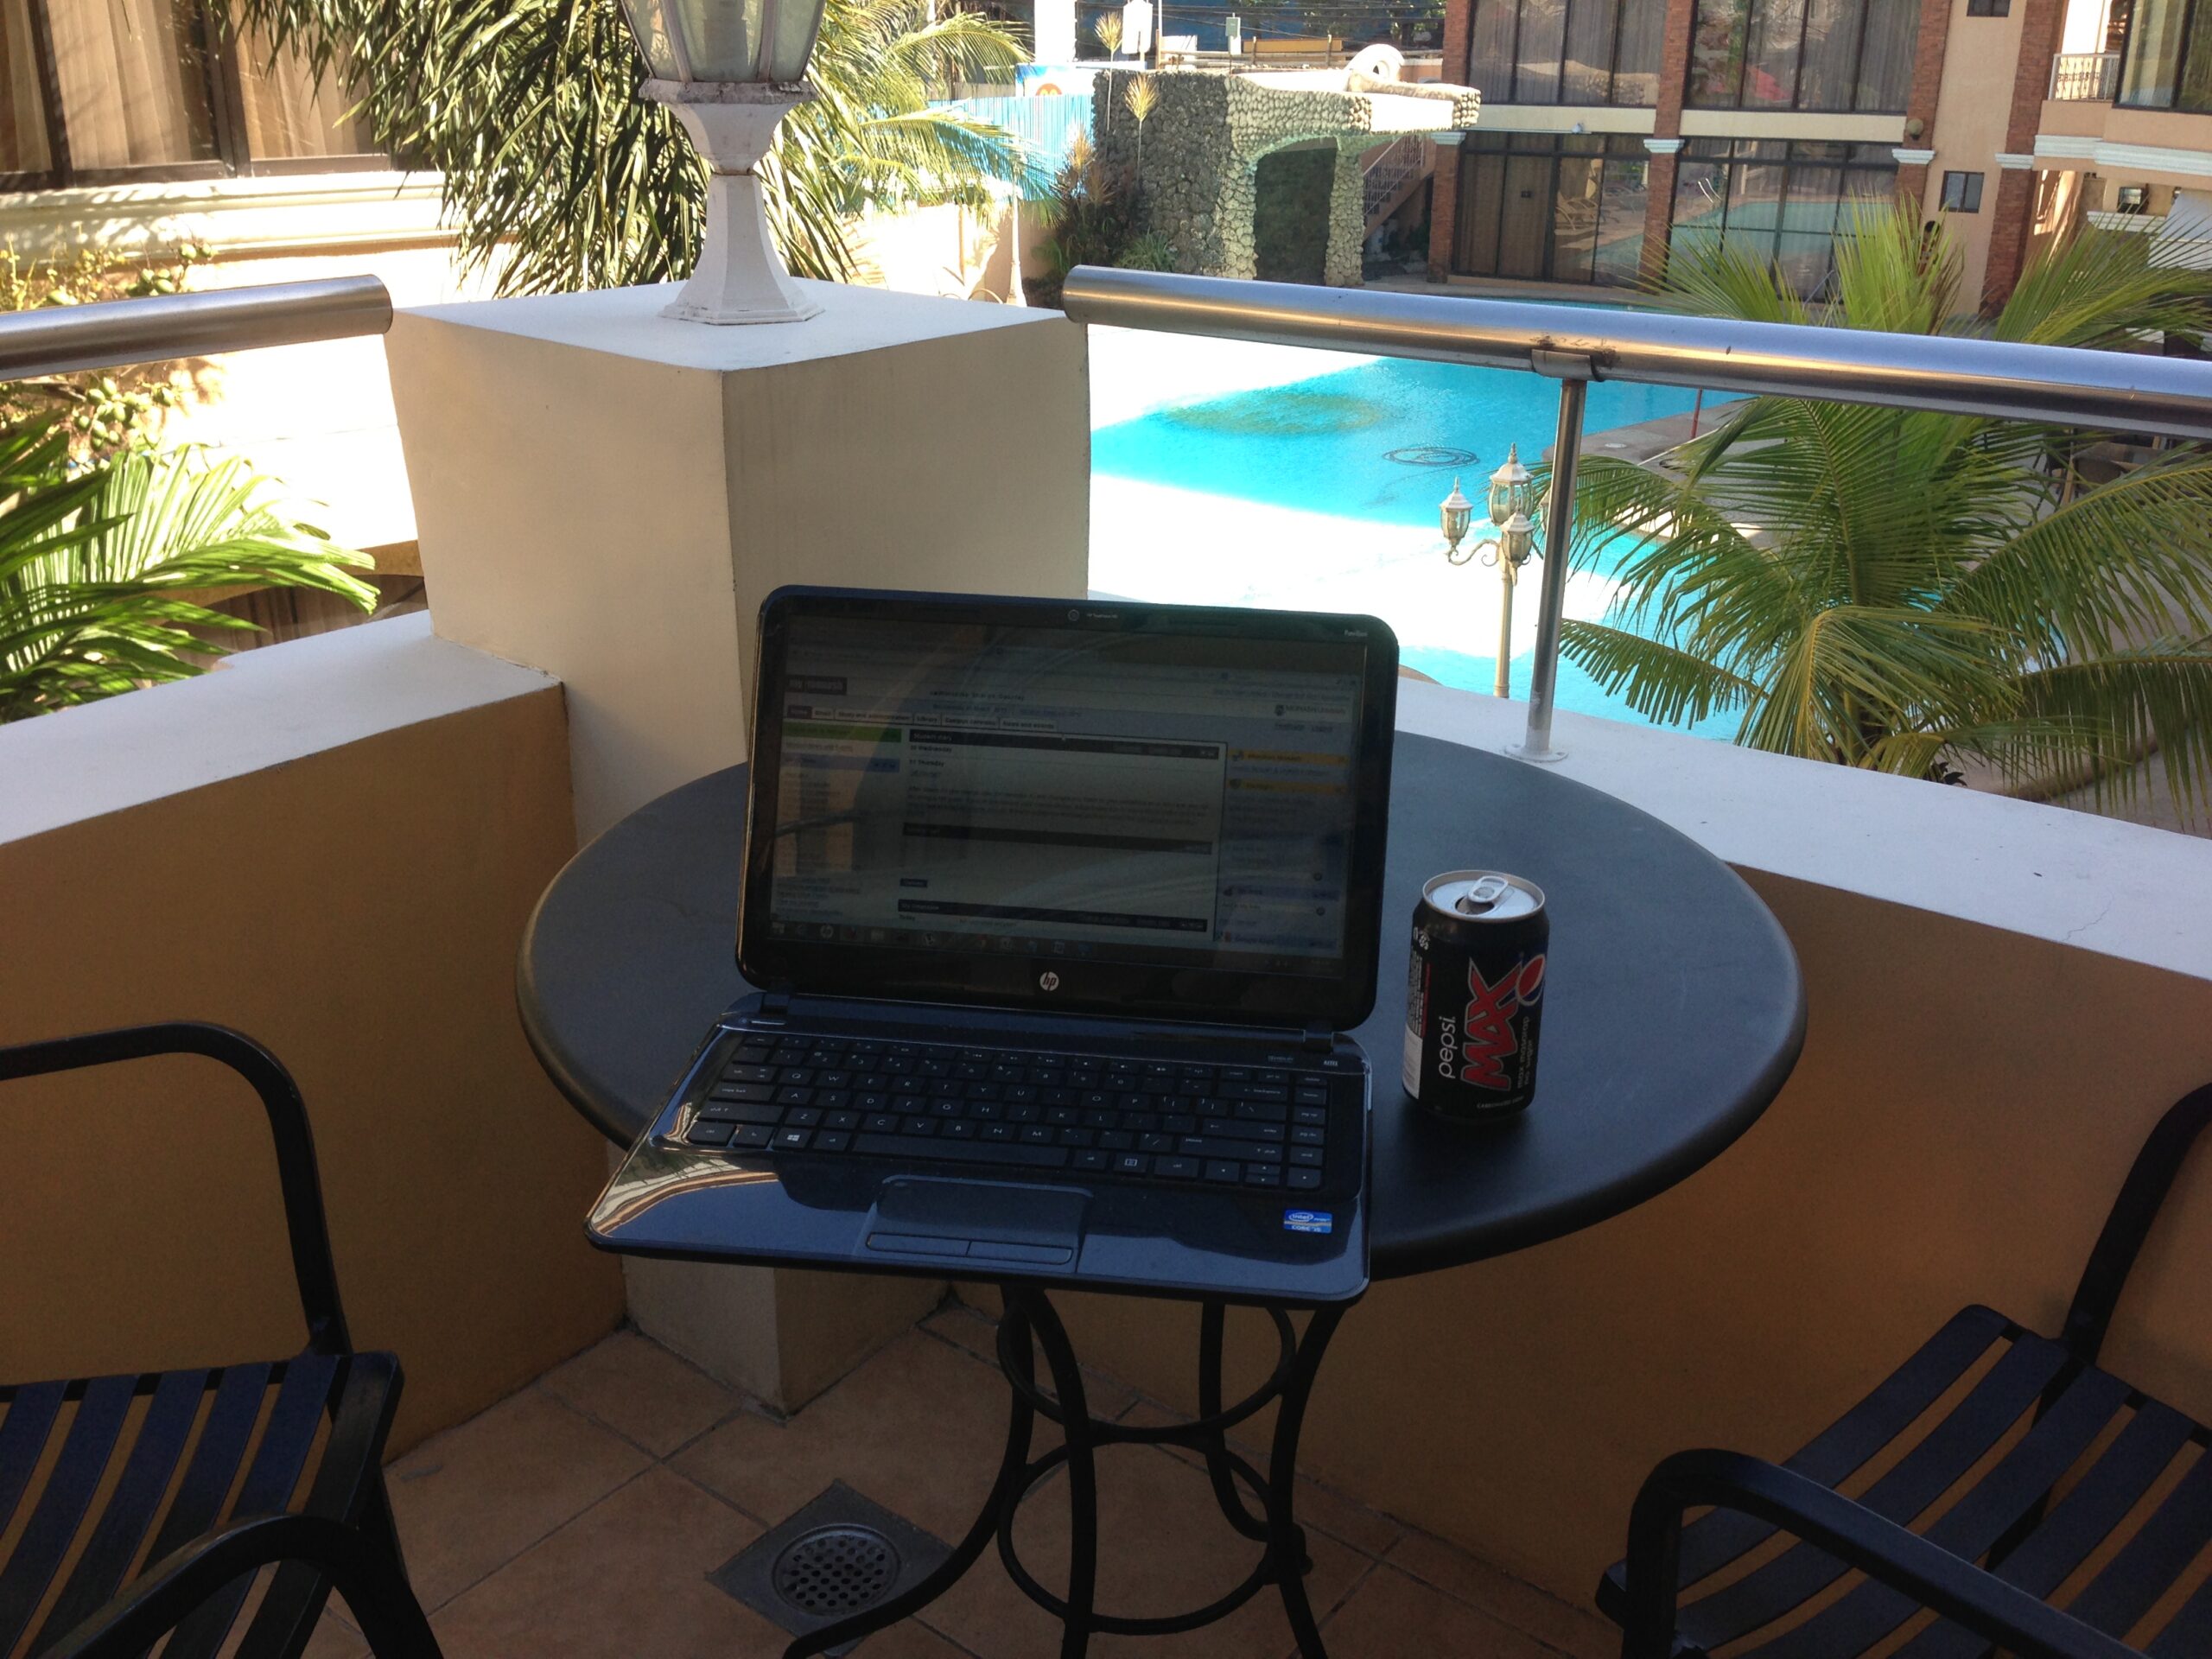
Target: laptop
1061, 913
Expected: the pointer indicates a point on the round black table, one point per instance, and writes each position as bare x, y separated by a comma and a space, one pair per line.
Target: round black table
1674, 1012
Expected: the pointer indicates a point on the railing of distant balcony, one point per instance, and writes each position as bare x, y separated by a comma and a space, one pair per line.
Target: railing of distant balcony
2084, 77
63, 339
2114, 391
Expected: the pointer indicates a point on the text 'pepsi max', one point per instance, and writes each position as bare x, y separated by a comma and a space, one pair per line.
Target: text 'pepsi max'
1474, 995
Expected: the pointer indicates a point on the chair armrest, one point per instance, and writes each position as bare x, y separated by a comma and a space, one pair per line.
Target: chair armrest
168, 1592
2149, 1179
1956, 1588
304, 1220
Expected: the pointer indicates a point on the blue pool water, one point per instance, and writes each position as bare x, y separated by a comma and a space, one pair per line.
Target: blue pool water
1370, 451
1324, 444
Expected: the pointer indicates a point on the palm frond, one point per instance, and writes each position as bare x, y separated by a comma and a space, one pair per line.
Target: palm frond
2079, 577
2103, 289
2155, 696
1896, 273
559, 177
1667, 686
105, 597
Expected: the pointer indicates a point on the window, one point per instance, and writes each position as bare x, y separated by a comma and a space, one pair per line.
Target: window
2167, 62
109, 91
1962, 193
1566, 208
1779, 203
1803, 54
1567, 51
1989, 8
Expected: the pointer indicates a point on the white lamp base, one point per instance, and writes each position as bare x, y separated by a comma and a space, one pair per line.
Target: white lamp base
739, 277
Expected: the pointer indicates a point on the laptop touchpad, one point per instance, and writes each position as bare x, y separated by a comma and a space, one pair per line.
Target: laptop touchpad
977, 1221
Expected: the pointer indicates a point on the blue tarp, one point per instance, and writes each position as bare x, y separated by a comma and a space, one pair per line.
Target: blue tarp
1044, 126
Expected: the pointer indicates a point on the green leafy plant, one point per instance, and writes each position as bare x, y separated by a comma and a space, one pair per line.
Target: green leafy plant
1912, 592
102, 411
559, 176
106, 569
1090, 218
1149, 250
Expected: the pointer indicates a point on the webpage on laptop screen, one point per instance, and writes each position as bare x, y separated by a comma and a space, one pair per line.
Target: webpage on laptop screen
1130, 797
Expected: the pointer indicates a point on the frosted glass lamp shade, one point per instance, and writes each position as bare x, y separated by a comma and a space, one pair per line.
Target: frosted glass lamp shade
690, 41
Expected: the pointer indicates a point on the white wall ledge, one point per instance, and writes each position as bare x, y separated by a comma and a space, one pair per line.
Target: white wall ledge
627, 322
2118, 889
263, 709
290, 212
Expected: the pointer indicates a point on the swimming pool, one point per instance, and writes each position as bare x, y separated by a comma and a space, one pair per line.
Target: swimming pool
1233, 474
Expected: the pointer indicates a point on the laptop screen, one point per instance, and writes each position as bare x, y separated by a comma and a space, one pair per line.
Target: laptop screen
1079, 793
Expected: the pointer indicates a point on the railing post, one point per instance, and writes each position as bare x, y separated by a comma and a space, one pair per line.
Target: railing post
1572, 373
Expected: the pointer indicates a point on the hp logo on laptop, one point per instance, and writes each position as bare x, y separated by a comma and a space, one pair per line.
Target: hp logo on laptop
1048, 981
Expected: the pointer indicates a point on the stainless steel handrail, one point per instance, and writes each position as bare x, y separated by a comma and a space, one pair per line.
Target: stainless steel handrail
64, 339
2063, 385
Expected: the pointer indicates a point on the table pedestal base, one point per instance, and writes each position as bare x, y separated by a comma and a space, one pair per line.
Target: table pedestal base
1030, 1324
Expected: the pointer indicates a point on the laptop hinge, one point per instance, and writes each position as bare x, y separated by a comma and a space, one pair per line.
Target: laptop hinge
775, 1008
1320, 1039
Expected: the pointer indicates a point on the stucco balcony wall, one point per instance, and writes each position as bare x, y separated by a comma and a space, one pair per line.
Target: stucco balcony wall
331, 845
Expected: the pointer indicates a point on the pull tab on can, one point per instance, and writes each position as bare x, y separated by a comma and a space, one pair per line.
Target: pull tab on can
1482, 898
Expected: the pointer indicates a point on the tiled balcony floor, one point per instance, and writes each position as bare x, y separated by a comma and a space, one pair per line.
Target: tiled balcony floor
579, 1519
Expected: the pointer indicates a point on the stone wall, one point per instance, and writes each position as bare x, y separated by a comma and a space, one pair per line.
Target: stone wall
1195, 158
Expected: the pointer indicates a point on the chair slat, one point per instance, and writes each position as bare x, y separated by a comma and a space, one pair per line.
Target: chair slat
1972, 1525
231, 1417
53, 1526
1710, 1543
2188, 1634
268, 1489
2148, 1564
123, 1525
23, 1439
348, 1473
1922, 1476
2079, 1521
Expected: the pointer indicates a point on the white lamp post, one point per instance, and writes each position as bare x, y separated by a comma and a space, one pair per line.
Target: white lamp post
729, 69
1512, 500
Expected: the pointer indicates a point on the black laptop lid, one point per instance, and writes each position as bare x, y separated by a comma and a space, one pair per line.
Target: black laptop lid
1104, 808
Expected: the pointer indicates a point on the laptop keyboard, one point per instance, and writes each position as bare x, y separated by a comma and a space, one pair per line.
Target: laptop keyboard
1157, 1122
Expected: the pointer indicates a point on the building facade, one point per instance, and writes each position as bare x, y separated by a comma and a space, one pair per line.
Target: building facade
1614, 130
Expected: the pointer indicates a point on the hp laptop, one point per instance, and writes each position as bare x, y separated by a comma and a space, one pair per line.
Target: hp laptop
1060, 914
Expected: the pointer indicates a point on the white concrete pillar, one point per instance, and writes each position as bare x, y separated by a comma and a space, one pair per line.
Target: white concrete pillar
607, 494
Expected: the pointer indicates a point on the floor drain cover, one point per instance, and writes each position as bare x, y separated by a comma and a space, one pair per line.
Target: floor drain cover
837, 1556
835, 1570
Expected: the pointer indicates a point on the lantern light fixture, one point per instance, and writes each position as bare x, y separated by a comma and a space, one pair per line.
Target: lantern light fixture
730, 69
1513, 504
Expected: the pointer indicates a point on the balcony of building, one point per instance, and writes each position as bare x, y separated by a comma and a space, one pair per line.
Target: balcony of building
335, 845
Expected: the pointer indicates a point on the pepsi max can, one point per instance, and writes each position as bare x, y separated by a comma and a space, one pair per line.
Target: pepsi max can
1475, 995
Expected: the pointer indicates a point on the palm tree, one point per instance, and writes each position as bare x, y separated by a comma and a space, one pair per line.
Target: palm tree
103, 567
559, 176
1912, 592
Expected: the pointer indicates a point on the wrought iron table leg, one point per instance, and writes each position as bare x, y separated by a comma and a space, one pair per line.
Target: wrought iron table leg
1212, 1321
1030, 1323
1076, 1425
1004, 1494
1286, 1539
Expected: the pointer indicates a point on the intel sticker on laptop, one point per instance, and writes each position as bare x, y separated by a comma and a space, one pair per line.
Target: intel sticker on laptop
1309, 1221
